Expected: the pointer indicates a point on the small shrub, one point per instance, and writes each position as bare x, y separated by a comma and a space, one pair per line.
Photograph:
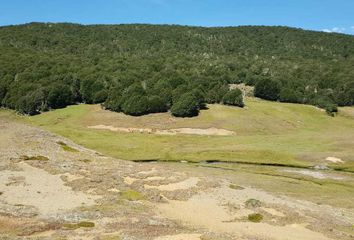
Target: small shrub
255, 217
233, 98
253, 203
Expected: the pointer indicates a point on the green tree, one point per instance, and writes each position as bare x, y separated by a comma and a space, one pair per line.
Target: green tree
157, 104
186, 106
267, 89
60, 96
234, 98
136, 105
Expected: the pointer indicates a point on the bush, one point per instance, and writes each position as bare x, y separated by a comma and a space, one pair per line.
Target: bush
157, 104
136, 105
289, 95
233, 98
59, 96
331, 109
267, 89
216, 94
100, 97
186, 106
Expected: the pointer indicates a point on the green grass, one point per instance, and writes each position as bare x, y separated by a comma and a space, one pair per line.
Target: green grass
266, 132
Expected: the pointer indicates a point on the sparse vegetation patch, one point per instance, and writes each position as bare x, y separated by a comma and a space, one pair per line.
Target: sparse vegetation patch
132, 195
255, 217
67, 148
34, 158
73, 226
253, 203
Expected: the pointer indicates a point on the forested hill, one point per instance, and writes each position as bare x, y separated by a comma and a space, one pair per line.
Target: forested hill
140, 69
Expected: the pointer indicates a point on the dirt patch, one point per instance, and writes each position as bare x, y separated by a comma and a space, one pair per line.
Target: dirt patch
184, 185
314, 174
40, 189
129, 180
180, 237
334, 160
23, 226
220, 212
191, 131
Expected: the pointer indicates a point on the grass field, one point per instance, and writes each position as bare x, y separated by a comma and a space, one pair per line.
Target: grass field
266, 132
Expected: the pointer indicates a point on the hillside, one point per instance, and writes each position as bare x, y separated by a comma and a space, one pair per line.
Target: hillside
140, 69
52, 188
262, 133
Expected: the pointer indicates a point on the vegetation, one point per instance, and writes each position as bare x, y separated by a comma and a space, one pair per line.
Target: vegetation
253, 203
74, 226
140, 69
132, 195
67, 148
234, 98
34, 158
266, 133
255, 217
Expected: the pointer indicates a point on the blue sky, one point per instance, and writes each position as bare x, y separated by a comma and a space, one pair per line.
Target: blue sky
323, 15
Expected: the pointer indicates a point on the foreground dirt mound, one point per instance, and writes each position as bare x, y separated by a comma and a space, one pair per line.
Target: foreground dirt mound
51, 188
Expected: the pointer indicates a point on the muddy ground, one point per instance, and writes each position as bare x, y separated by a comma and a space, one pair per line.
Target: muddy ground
51, 188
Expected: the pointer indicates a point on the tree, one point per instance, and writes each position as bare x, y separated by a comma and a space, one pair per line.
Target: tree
186, 106
267, 89
157, 104
234, 98
215, 94
136, 105
60, 96
290, 95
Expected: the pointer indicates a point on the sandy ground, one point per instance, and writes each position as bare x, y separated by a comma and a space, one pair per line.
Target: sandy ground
36, 187
49, 193
192, 131
334, 160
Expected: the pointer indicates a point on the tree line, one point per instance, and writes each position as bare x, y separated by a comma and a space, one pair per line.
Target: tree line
141, 69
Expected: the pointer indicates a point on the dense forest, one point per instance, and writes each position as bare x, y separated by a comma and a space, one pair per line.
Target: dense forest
139, 69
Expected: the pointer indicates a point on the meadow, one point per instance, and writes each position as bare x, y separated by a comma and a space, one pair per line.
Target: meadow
265, 133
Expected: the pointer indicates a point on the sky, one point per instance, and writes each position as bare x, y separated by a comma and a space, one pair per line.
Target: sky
320, 15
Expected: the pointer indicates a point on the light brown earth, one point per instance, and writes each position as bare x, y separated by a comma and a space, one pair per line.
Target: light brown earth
47, 192
191, 131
